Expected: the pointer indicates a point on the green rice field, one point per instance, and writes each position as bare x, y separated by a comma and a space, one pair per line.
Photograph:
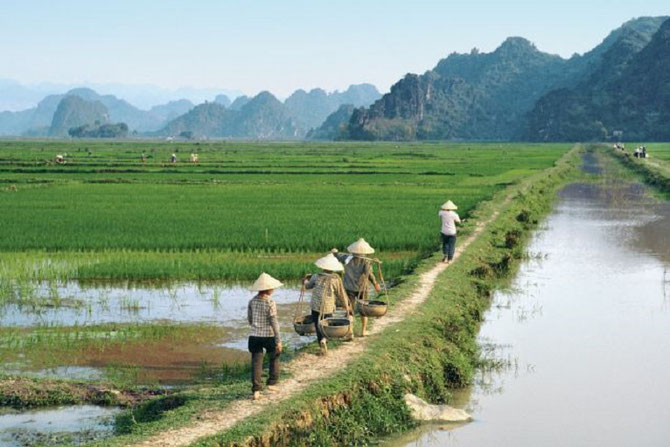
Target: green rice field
115, 269
243, 208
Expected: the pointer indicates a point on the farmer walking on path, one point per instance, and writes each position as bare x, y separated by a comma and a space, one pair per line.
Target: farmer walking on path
449, 221
358, 274
262, 316
326, 290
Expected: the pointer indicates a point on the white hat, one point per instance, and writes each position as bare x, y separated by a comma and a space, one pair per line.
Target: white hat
266, 282
360, 247
449, 205
329, 262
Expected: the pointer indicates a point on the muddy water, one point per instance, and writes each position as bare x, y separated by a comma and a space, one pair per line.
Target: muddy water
584, 333
71, 304
65, 425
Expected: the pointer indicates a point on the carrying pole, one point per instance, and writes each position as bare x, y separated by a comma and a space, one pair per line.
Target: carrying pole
299, 306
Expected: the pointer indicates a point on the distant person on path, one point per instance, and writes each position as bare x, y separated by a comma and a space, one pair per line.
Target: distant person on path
358, 274
144, 157
264, 335
448, 234
173, 158
326, 289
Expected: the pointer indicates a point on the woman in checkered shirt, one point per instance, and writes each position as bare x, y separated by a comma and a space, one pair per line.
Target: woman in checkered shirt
264, 335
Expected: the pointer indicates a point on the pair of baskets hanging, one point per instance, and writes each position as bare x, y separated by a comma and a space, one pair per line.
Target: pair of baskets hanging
303, 323
373, 308
338, 325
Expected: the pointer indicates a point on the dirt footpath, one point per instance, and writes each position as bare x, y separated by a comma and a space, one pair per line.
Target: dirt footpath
308, 368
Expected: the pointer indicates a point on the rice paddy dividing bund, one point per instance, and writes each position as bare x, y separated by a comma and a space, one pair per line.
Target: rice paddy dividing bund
123, 271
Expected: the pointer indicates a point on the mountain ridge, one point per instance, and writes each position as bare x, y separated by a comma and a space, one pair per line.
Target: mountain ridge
493, 96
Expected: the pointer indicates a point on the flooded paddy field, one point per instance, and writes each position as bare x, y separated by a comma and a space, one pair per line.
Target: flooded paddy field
168, 334
63, 425
243, 209
583, 336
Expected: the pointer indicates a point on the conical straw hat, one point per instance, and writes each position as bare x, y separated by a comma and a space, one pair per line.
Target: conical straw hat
329, 262
449, 205
360, 247
266, 282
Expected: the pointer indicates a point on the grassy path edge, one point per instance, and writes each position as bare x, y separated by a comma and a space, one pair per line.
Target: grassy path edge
653, 171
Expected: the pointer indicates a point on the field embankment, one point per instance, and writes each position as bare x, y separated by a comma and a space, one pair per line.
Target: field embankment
654, 170
428, 352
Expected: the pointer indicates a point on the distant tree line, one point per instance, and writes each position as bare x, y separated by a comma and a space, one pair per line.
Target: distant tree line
118, 130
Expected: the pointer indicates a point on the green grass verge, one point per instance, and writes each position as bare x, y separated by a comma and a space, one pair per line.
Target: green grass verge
652, 171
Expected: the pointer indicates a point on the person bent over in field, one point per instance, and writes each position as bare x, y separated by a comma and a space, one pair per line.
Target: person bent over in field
448, 234
264, 335
326, 289
358, 274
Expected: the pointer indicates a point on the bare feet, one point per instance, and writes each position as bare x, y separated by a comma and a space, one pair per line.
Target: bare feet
256, 396
324, 347
272, 388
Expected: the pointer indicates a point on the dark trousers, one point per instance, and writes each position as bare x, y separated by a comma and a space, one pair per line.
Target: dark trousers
448, 245
315, 319
353, 298
256, 347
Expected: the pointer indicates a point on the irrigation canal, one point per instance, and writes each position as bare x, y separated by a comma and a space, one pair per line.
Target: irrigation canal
584, 333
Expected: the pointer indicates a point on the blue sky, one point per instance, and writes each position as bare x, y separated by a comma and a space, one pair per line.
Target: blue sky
256, 45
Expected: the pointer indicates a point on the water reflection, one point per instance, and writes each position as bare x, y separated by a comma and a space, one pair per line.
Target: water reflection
72, 303
583, 337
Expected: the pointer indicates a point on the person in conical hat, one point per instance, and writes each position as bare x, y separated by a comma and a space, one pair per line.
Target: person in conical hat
358, 274
327, 291
264, 335
448, 234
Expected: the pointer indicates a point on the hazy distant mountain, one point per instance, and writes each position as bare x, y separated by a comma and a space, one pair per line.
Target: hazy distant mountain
266, 117
262, 117
357, 94
628, 91
73, 111
121, 111
15, 96
492, 96
209, 119
310, 109
223, 100
334, 125
32, 121
239, 102
171, 110
36, 119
